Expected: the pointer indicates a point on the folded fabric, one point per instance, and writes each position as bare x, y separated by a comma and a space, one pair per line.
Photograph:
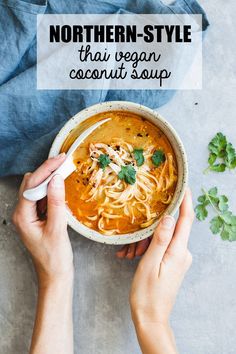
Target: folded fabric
30, 119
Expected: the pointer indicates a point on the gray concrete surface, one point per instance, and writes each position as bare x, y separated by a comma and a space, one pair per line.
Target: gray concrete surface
204, 318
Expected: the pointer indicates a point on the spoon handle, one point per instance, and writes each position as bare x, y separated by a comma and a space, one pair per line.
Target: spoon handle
65, 169
39, 192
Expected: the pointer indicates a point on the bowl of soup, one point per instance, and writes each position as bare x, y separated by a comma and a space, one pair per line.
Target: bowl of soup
129, 172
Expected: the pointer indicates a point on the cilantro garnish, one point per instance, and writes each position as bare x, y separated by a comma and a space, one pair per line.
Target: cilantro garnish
128, 174
222, 154
224, 223
158, 157
138, 155
104, 161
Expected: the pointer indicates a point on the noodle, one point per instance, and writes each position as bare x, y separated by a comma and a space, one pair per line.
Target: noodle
111, 205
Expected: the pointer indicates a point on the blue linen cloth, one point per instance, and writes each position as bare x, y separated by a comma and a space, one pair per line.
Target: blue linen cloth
29, 118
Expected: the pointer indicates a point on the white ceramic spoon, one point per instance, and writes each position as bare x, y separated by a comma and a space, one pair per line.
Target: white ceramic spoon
66, 168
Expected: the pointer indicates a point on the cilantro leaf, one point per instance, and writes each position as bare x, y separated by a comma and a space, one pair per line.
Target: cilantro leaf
218, 143
223, 203
228, 233
201, 208
128, 174
222, 154
138, 155
224, 223
227, 217
158, 157
212, 158
216, 224
213, 192
231, 156
232, 233
212, 197
233, 220
202, 199
104, 161
224, 234
219, 167
201, 212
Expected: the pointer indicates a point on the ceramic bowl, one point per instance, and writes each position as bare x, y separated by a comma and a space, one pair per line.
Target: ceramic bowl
178, 148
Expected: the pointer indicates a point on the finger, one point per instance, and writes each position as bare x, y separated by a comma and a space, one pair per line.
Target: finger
39, 175
122, 252
26, 207
141, 247
160, 241
131, 251
56, 215
23, 183
184, 224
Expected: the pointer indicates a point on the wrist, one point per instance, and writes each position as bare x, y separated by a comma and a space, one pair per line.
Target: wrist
156, 338
143, 317
150, 326
150, 322
56, 280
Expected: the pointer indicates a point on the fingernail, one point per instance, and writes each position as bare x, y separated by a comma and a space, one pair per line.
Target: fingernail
168, 222
57, 182
27, 174
58, 157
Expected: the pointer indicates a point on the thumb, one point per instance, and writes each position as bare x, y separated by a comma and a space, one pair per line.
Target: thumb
161, 240
56, 210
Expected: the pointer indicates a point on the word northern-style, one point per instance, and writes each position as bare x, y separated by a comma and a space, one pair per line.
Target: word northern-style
119, 33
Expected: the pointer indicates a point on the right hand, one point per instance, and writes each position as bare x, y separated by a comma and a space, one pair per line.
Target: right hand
162, 269
47, 240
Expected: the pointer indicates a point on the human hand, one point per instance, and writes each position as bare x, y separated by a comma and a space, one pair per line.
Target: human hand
161, 271
133, 250
46, 240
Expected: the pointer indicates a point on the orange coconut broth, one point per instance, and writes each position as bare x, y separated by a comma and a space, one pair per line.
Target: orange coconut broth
123, 128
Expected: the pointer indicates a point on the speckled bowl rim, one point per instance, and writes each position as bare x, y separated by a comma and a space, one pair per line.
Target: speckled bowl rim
178, 149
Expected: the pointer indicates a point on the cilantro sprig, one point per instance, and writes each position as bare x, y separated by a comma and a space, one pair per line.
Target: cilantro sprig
138, 156
158, 157
224, 223
222, 154
104, 161
128, 174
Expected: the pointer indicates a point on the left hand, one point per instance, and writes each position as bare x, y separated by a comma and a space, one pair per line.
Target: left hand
133, 250
162, 269
157, 280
